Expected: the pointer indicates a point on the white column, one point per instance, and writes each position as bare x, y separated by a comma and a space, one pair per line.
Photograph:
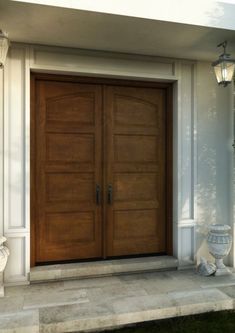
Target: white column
16, 227
232, 254
185, 160
1, 162
1, 150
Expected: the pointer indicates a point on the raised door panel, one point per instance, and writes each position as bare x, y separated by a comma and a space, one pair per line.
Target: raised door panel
70, 147
68, 168
136, 163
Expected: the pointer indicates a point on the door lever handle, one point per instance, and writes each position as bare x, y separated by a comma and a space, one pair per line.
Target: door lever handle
98, 201
110, 194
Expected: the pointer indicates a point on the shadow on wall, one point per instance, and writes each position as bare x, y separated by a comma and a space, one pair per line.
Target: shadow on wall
206, 197
206, 185
207, 149
214, 157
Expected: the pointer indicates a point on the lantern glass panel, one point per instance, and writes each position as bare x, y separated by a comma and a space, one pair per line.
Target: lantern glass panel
224, 71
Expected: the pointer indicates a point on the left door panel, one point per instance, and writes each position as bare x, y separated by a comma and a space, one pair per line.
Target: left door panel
68, 138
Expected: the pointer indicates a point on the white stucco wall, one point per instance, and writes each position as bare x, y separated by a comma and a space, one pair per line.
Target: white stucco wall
215, 154
202, 142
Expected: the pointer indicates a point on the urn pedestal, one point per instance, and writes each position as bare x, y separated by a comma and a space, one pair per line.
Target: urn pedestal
219, 243
4, 253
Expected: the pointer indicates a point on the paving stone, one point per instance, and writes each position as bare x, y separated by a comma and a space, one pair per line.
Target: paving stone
10, 304
20, 322
219, 281
111, 293
125, 310
71, 318
53, 298
110, 302
34, 288
230, 291
92, 283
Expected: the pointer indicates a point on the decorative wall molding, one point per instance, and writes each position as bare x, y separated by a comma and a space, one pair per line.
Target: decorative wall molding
186, 223
22, 60
14, 142
1, 147
186, 245
97, 63
232, 254
184, 160
185, 143
18, 264
16, 219
1, 160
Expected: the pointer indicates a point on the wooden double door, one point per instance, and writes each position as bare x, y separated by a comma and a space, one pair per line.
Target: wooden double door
99, 169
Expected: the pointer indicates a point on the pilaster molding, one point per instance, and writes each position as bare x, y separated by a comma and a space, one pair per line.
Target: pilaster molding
16, 226
69, 61
1, 161
232, 255
1, 147
26, 58
185, 159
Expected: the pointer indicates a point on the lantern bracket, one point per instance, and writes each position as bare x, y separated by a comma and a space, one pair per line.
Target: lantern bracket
224, 45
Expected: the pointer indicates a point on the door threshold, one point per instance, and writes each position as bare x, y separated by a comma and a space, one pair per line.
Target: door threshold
84, 270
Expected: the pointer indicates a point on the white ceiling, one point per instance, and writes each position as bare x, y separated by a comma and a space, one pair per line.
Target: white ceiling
38, 24
208, 13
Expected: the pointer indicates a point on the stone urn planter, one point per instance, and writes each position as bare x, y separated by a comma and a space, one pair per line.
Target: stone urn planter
219, 243
4, 253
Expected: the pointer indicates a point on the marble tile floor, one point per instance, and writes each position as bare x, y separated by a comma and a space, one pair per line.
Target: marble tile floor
109, 302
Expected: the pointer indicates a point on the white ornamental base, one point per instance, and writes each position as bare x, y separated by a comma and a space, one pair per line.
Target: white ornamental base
221, 268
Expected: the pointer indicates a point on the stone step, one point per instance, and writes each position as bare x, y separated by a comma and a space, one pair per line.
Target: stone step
108, 312
102, 268
133, 310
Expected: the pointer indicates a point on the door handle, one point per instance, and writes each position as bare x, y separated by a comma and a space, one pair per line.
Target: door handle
98, 200
110, 194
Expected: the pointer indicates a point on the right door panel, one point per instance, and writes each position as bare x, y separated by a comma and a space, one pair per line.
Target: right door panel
135, 161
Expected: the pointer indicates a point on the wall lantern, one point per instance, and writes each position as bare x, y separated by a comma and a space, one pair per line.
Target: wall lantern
4, 45
224, 67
